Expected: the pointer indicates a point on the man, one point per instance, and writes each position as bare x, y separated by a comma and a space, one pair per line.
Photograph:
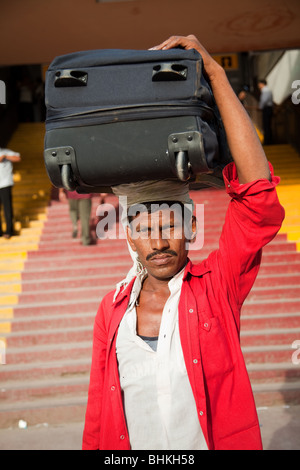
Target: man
167, 370
266, 106
7, 158
80, 207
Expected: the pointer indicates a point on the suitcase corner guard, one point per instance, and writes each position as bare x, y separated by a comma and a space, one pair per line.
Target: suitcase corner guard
58, 162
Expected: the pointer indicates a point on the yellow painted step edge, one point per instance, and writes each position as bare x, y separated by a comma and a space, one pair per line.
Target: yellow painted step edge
13, 254
11, 266
9, 299
5, 328
6, 313
10, 277
10, 288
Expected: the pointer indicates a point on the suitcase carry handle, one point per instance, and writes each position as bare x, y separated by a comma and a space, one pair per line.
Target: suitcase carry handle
70, 78
169, 72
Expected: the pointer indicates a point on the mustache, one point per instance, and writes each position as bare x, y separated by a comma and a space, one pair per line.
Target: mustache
165, 252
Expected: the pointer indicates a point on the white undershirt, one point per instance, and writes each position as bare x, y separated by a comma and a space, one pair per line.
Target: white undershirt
159, 405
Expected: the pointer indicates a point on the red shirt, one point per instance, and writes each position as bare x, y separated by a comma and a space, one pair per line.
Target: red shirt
209, 321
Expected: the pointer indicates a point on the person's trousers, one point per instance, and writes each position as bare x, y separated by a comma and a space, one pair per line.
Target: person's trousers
267, 125
6, 201
80, 209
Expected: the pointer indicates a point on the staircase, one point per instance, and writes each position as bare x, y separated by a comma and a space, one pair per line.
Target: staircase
51, 287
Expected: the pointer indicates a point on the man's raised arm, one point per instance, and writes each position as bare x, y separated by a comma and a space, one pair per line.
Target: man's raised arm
242, 138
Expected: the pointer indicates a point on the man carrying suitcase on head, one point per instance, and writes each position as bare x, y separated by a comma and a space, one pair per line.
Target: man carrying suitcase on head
167, 370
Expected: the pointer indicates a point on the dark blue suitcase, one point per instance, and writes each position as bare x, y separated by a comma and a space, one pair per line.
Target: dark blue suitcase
119, 116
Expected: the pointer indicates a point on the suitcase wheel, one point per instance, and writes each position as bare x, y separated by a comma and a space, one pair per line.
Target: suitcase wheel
183, 166
67, 178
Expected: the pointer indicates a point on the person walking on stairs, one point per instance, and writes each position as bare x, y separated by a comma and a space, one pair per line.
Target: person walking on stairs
80, 207
7, 158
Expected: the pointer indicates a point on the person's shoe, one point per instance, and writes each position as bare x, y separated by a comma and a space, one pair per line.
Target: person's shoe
7, 236
74, 233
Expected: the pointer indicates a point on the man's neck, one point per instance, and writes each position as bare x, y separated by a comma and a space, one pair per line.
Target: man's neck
152, 284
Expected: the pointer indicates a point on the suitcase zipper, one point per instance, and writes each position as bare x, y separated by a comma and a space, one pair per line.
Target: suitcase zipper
96, 116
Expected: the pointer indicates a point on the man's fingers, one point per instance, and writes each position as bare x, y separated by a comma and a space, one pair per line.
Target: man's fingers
174, 41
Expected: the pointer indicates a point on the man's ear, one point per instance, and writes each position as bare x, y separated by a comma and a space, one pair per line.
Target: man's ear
192, 232
129, 238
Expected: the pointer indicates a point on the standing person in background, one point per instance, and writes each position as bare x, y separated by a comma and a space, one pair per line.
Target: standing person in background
7, 158
26, 100
80, 207
266, 106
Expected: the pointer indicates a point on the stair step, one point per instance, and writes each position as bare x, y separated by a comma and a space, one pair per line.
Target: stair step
271, 336
280, 393
14, 392
56, 308
270, 321
43, 370
49, 352
55, 322
265, 306
58, 410
268, 373
54, 336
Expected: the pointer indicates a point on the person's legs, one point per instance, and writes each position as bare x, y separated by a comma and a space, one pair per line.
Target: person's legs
6, 199
267, 125
74, 215
85, 207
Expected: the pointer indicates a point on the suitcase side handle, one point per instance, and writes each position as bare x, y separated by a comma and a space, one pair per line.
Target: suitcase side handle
70, 78
166, 72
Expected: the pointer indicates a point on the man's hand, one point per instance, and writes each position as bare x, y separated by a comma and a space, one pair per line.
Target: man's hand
2, 157
212, 68
62, 195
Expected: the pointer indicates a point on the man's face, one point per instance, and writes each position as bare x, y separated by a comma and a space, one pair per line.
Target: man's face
160, 241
